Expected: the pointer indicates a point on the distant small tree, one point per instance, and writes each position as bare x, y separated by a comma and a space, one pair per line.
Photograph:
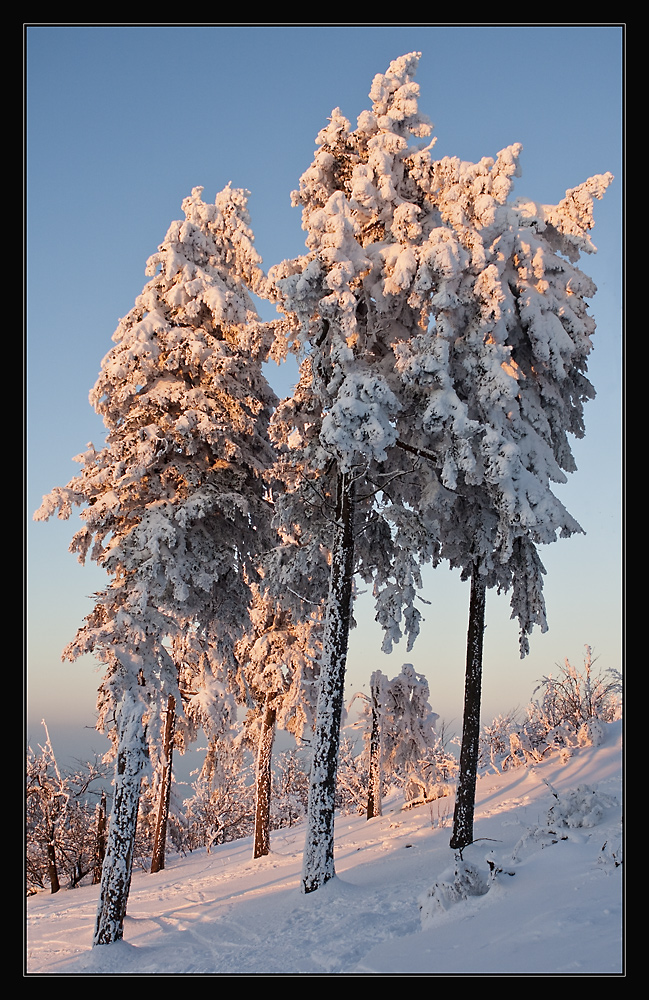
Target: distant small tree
495, 741
375, 750
409, 730
164, 798
221, 808
575, 696
279, 672
400, 739
47, 800
351, 778
63, 838
101, 819
290, 787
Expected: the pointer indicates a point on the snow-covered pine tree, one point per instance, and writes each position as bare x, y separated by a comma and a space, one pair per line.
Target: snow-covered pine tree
174, 505
408, 723
370, 236
529, 338
130, 643
514, 327
278, 659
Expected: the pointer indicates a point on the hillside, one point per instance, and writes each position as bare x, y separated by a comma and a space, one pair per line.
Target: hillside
555, 908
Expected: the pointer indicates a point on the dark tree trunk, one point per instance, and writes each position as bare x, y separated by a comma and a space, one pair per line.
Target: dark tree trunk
261, 845
465, 800
100, 839
318, 864
160, 838
118, 862
52, 867
374, 791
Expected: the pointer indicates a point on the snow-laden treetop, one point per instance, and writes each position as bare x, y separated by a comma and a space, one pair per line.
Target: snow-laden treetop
440, 318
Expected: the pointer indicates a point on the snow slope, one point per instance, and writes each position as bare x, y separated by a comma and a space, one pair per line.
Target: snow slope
560, 911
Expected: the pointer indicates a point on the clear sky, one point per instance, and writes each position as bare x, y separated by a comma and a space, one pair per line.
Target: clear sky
121, 124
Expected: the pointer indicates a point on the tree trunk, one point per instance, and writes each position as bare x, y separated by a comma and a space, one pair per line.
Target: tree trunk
465, 799
52, 867
160, 838
318, 863
100, 839
374, 791
261, 845
118, 862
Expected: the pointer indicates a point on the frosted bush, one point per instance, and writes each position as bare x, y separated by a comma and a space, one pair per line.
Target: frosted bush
583, 806
456, 884
591, 734
575, 697
495, 741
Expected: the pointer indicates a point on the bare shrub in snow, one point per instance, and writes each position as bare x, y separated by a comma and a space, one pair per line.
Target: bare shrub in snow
576, 697
571, 713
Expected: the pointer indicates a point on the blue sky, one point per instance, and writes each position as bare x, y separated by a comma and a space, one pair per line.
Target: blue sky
121, 124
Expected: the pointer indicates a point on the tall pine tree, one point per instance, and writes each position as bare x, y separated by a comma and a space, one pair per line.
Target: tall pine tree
173, 504
346, 433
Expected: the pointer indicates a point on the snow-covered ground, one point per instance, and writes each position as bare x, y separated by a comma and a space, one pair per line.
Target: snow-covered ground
555, 908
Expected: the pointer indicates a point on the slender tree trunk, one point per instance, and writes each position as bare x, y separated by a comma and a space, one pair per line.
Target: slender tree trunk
261, 845
160, 838
100, 839
118, 862
52, 867
465, 800
318, 862
374, 791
